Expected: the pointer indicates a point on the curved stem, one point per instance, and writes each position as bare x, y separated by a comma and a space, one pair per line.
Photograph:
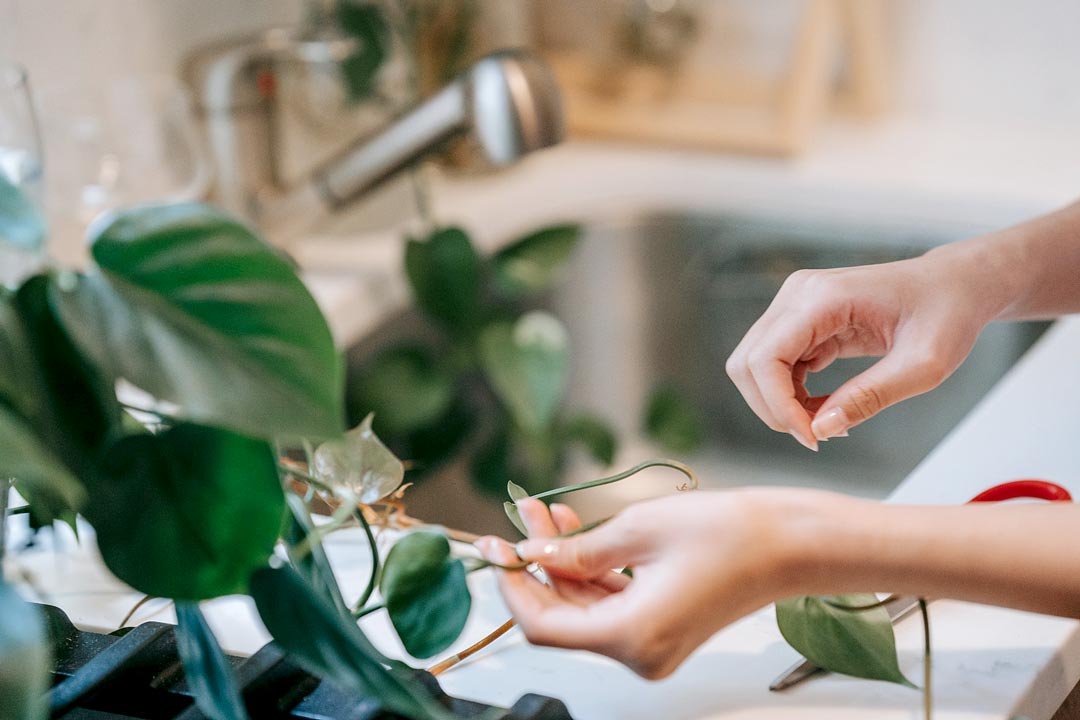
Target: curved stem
691, 476
861, 608
361, 612
375, 563
928, 696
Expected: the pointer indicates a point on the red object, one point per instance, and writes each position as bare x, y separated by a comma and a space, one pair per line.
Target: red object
1037, 489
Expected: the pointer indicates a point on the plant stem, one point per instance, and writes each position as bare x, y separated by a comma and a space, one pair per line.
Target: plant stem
21, 510
861, 608
375, 563
674, 464
928, 695
361, 612
5, 492
472, 649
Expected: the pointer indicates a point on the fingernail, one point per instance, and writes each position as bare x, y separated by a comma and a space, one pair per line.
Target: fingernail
833, 423
808, 443
531, 550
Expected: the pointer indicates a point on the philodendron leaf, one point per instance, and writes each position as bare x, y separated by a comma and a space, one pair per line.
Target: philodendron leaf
41, 476
405, 387
858, 643
24, 658
425, 593
532, 263
207, 671
527, 363
188, 513
21, 223
595, 435
516, 492
304, 625
672, 420
209, 318
445, 274
360, 462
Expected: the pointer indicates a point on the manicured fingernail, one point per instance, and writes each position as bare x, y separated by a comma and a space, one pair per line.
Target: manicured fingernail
808, 443
833, 423
534, 549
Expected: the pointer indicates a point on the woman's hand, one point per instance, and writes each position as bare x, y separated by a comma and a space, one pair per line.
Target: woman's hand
699, 560
921, 316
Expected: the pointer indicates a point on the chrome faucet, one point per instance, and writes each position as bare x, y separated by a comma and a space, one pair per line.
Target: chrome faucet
508, 101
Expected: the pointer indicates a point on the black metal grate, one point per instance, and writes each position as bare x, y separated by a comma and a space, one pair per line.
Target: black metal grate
136, 674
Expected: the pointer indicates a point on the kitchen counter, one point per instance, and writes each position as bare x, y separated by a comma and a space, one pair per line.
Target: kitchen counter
989, 663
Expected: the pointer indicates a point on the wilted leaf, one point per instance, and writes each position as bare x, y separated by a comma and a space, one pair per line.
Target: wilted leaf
24, 658
425, 593
360, 462
188, 513
672, 420
445, 274
406, 389
304, 625
527, 363
209, 318
532, 263
861, 644
206, 668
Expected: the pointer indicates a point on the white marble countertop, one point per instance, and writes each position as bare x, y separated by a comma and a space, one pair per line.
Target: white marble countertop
989, 663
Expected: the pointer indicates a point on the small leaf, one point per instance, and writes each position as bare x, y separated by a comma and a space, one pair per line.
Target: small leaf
405, 388
594, 434
527, 363
188, 513
857, 643
425, 593
21, 223
209, 318
445, 274
304, 625
516, 492
206, 669
672, 420
533, 262
24, 658
48, 485
360, 462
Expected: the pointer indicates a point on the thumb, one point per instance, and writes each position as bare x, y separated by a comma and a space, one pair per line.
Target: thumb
896, 377
587, 556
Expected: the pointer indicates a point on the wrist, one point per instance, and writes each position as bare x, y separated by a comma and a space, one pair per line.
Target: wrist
992, 270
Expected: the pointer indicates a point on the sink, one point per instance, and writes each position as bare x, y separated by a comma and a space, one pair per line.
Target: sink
666, 297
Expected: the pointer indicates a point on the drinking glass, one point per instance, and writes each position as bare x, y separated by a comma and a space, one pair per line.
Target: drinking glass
22, 220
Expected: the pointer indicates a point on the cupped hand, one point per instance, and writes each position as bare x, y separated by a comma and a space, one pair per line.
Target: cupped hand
921, 316
699, 561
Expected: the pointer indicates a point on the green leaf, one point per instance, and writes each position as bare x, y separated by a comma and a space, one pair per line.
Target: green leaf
527, 364
489, 469
21, 223
445, 274
516, 492
366, 23
857, 643
672, 420
188, 513
304, 625
209, 318
206, 669
18, 381
47, 484
24, 658
595, 435
360, 462
532, 263
405, 388
425, 593
313, 565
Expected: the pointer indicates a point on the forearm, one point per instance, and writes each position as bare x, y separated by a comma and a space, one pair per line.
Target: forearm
1028, 271
1024, 556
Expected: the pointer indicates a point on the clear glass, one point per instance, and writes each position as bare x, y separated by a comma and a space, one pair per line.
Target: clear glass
22, 219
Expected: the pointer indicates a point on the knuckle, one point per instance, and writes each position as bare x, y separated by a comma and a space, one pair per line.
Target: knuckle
929, 364
866, 400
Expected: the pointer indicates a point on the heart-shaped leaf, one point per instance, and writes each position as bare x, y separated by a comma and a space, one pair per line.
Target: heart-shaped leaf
24, 658
206, 669
445, 274
533, 262
304, 625
209, 318
405, 388
360, 462
858, 643
425, 593
188, 513
527, 363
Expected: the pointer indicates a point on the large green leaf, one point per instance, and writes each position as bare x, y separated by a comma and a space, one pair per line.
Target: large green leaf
533, 262
24, 658
41, 476
195, 309
21, 222
360, 462
406, 389
527, 363
857, 643
672, 420
189, 513
425, 593
206, 669
309, 629
445, 274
